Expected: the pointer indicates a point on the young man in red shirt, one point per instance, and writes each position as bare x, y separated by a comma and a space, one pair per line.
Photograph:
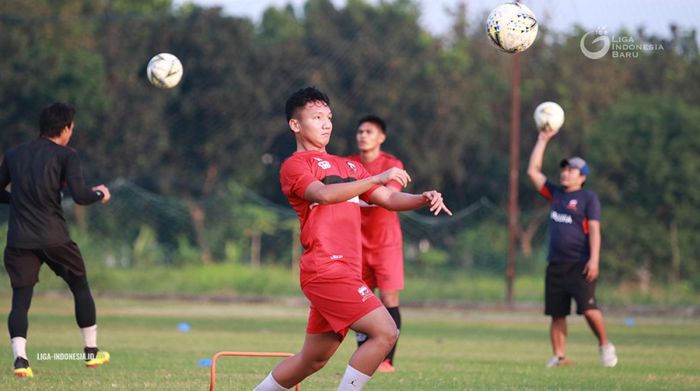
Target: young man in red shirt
382, 242
325, 191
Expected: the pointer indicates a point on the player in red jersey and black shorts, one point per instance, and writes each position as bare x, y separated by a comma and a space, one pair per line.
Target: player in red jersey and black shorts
382, 242
325, 191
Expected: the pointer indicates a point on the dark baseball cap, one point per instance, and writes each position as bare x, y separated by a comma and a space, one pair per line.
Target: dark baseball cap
576, 162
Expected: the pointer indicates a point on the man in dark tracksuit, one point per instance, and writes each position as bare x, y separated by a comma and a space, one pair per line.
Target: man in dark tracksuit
37, 231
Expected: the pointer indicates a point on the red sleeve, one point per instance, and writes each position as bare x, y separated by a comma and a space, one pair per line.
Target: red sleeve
393, 184
547, 190
362, 174
295, 177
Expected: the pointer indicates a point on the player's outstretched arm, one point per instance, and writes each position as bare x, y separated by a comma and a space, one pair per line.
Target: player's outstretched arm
399, 201
341, 192
534, 168
82, 195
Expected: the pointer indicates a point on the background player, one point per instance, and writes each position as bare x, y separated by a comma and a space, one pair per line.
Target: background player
382, 242
37, 230
574, 251
324, 190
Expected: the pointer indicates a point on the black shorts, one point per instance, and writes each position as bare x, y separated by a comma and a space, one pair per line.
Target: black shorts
564, 281
23, 265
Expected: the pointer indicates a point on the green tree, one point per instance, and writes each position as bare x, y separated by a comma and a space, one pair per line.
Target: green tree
645, 155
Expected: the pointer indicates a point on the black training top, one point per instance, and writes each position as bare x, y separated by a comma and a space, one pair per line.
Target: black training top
568, 222
38, 171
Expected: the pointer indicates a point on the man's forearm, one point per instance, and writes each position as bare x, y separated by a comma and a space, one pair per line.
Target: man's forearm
399, 201
339, 192
594, 243
537, 156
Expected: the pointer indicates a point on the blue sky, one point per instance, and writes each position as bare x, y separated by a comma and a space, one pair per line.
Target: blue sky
654, 15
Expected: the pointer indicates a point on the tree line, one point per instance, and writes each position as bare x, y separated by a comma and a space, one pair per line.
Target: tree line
445, 98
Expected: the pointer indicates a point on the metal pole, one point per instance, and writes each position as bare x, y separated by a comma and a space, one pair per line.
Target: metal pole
513, 176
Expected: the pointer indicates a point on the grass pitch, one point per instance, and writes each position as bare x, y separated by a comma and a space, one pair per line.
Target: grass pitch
438, 349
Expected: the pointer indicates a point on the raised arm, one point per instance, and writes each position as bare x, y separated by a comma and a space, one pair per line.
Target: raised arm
339, 192
534, 168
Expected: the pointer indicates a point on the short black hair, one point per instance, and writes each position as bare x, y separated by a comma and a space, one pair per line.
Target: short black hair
55, 118
300, 98
373, 119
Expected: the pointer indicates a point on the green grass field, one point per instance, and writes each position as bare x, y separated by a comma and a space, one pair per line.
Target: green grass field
438, 349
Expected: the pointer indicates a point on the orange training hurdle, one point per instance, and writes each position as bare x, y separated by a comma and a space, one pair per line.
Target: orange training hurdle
212, 381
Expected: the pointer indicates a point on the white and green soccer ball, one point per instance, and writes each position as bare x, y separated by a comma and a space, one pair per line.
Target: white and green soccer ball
164, 70
550, 115
512, 27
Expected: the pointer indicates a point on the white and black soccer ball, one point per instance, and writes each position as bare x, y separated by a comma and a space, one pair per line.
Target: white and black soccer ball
550, 115
512, 27
164, 70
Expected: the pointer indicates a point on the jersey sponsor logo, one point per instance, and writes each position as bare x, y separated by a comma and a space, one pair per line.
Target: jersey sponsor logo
573, 205
365, 293
561, 218
336, 257
331, 179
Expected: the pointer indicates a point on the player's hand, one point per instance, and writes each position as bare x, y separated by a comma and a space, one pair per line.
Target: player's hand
105, 193
590, 271
394, 174
546, 133
437, 204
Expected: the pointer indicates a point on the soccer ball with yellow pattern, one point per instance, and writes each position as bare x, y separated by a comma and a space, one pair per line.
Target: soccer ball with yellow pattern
511, 27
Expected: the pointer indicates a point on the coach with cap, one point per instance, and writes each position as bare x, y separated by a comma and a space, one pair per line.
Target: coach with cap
574, 251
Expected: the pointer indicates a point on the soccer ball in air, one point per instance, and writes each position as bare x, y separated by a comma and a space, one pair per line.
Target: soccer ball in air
511, 27
550, 115
164, 70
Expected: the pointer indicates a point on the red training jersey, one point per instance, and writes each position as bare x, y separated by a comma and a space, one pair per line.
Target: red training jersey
380, 227
329, 233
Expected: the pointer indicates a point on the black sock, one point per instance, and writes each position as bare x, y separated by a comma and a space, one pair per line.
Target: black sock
396, 315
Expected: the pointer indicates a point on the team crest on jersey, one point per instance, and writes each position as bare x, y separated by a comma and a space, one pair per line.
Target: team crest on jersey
352, 166
365, 293
573, 205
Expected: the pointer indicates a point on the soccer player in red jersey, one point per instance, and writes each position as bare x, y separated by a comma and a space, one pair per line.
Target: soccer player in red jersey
325, 190
382, 242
